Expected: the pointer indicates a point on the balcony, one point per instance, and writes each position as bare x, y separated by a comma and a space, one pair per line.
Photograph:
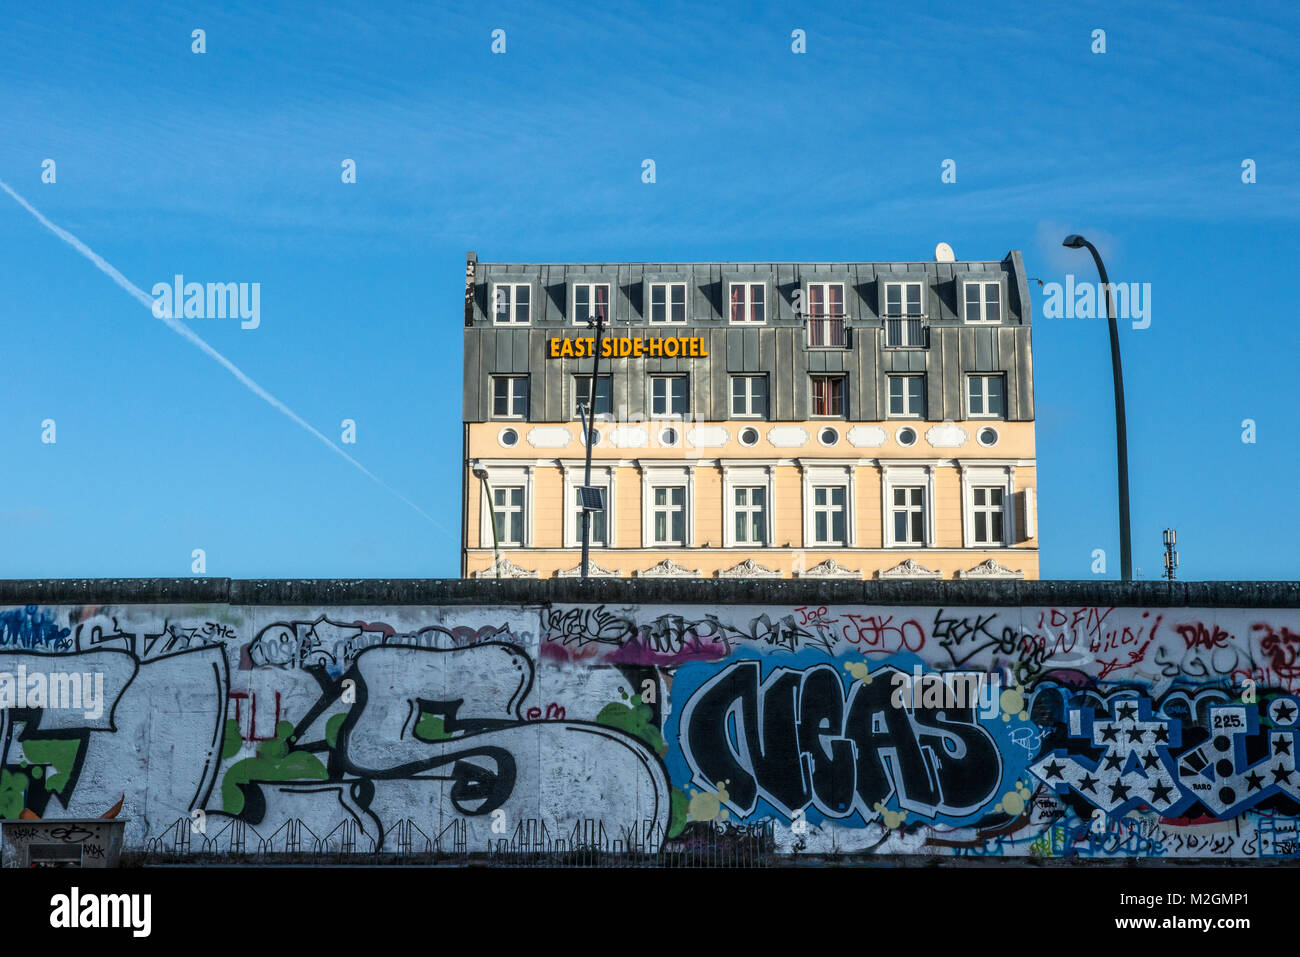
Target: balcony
906, 332
827, 332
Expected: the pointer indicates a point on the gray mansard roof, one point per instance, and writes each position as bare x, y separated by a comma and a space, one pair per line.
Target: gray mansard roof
708, 282
780, 348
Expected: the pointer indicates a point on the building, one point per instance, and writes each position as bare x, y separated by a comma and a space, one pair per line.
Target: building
842, 420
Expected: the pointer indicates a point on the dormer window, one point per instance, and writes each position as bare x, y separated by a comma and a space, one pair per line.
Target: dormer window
667, 302
511, 303
903, 299
590, 299
983, 301
748, 300
826, 300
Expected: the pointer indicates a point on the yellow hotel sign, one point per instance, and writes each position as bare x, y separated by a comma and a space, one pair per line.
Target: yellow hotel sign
623, 347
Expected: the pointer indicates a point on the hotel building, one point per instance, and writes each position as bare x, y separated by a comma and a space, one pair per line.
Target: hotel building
840, 420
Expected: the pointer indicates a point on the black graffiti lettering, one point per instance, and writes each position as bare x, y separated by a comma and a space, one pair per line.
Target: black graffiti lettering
831, 764
707, 736
794, 741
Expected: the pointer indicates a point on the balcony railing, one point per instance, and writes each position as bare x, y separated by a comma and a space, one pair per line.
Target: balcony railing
827, 332
906, 333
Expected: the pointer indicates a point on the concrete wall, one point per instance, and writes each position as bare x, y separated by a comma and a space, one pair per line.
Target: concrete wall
1081, 719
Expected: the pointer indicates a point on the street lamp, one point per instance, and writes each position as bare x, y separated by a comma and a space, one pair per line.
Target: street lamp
589, 431
1075, 241
482, 476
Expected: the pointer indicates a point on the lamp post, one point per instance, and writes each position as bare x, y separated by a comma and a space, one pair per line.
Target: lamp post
482, 476
1075, 241
588, 428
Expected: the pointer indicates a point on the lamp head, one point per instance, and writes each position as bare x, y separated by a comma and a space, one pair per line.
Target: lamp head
1075, 241
481, 474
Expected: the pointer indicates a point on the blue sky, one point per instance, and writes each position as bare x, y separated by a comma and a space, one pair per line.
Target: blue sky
226, 166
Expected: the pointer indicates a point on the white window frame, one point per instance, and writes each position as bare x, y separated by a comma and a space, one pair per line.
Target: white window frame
598, 417
983, 285
650, 399
591, 296
824, 286
901, 474
668, 509
884, 299
747, 475
984, 377
889, 409
982, 474
747, 304
510, 396
668, 319
749, 396
844, 395
657, 476
602, 476
512, 309
822, 473
505, 476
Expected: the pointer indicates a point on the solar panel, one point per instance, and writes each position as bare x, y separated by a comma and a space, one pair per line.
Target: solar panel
593, 498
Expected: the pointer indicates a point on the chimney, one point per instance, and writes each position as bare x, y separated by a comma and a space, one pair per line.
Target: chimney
471, 268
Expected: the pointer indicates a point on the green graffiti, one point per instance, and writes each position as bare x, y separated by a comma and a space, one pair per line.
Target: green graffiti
430, 728
677, 817
332, 729
275, 761
231, 743
636, 718
13, 790
59, 754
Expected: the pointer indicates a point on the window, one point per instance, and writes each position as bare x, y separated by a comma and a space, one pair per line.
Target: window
983, 301
510, 397
826, 300
748, 302
903, 299
904, 334
909, 514
668, 395
829, 514
827, 394
512, 300
590, 299
750, 515
988, 498
668, 302
668, 514
987, 515
749, 396
604, 394
907, 396
597, 519
986, 396
508, 507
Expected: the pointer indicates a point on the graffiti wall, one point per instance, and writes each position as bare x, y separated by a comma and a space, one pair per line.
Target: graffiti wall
920, 730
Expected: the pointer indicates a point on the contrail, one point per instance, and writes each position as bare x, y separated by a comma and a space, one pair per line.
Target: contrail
179, 327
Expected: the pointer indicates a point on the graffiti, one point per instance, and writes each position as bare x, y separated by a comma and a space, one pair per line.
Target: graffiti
1281, 647
333, 645
801, 742
30, 627
1079, 731
966, 637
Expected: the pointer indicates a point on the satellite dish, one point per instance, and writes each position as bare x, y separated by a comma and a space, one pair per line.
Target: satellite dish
943, 254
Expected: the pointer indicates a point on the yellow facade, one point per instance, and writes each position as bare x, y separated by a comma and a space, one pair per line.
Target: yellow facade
792, 551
